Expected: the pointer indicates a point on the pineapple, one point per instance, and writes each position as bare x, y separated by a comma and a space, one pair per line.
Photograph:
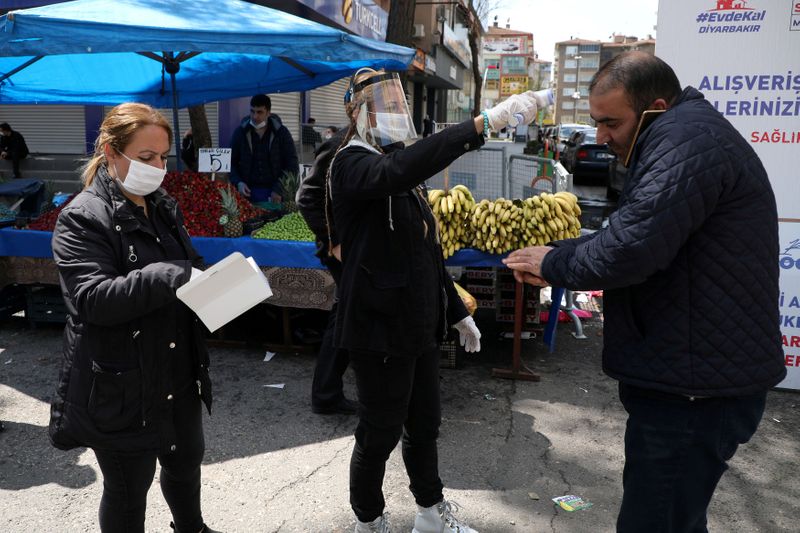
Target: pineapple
290, 182
231, 225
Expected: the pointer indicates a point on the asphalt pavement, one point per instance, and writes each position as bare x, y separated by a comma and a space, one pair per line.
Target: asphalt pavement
506, 447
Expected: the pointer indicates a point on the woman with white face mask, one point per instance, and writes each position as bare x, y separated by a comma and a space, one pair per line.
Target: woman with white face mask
396, 300
134, 376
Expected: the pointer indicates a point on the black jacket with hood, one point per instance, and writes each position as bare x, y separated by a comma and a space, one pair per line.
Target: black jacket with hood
395, 297
127, 334
311, 196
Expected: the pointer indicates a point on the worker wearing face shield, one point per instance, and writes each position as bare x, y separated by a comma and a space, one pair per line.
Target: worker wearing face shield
396, 300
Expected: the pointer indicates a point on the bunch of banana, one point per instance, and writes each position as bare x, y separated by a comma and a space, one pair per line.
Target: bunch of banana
550, 217
452, 209
497, 225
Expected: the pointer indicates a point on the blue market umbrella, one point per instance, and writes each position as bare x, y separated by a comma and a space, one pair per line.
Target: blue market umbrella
111, 51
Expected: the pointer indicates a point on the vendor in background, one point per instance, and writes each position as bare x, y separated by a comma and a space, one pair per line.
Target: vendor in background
327, 389
397, 301
12, 147
262, 151
134, 373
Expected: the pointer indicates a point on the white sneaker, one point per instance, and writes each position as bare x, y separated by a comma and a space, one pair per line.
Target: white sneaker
439, 519
379, 525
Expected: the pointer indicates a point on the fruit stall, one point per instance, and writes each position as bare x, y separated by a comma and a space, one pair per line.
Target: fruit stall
221, 221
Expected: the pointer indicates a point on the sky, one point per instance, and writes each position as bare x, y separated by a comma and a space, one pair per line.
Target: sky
552, 21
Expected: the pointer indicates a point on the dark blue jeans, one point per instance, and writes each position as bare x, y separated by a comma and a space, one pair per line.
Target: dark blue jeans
397, 396
127, 477
676, 450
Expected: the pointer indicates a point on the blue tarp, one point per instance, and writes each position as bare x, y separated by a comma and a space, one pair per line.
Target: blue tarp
30, 243
90, 52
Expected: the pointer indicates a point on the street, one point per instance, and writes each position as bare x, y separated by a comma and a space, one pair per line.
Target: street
506, 447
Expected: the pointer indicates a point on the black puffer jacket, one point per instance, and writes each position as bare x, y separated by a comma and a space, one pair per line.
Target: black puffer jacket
248, 167
689, 262
126, 331
395, 296
311, 196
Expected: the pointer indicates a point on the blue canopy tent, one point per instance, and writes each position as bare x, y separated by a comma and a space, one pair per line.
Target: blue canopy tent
112, 51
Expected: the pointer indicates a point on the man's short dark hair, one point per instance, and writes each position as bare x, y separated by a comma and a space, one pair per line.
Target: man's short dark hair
5, 127
644, 78
261, 100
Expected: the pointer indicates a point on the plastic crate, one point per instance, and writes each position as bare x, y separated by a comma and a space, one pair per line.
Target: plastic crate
44, 303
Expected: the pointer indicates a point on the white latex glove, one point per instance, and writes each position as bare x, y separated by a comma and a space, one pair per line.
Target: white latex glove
468, 335
243, 189
517, 104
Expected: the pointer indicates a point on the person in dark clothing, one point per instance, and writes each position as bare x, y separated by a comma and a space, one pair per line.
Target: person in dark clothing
329, 132
189, 151
12, 147
396, 300
327, 395
262, 151
310, 136
135, 369
427, 126
688, 264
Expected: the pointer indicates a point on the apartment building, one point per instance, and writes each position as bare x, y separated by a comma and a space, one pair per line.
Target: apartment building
576, 62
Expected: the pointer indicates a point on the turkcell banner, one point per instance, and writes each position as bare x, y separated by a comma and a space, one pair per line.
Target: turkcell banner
743, 55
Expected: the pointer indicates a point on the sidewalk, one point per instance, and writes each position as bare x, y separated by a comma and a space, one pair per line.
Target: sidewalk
506, 448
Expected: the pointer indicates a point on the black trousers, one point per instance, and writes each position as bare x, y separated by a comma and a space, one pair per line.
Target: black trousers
127, 477
676, 451
397, 397
326, 385
327, 388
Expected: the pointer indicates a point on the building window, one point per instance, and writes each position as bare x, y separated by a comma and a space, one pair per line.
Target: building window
570, 63
570, 78
589, 48
567, 91
514, 65
567, 104
571, 50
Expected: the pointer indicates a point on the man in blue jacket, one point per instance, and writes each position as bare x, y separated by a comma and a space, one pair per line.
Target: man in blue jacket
689, 268
262, 151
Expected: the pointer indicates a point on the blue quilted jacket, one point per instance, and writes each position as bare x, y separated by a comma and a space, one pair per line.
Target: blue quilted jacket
688, 262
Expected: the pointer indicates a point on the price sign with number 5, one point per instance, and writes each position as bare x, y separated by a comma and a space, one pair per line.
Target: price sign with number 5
214, 160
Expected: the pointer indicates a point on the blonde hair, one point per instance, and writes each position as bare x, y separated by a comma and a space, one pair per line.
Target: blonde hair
117, 130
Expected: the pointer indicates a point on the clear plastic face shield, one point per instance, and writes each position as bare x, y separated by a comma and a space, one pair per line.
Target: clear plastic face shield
383, 116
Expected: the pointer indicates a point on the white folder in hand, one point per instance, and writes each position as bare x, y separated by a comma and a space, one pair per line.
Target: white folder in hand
226, 290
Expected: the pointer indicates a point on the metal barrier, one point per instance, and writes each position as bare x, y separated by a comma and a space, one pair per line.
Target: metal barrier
483, 172
530, 175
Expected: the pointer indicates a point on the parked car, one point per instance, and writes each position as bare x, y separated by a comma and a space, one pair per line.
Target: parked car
585, 159
616, 179
564, 131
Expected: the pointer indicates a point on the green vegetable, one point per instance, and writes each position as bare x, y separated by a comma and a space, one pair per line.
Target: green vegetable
291, 227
